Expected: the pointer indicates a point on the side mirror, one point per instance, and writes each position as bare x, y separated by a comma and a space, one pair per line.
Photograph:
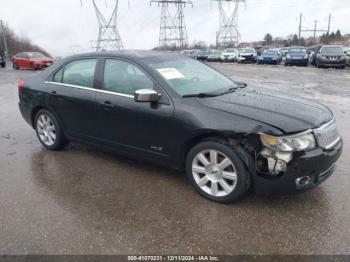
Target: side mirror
146, 95
346, 52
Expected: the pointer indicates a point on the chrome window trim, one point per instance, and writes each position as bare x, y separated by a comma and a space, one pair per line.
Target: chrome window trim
90, 89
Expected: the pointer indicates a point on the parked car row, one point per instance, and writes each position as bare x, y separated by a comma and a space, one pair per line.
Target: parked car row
227, 55
320, 56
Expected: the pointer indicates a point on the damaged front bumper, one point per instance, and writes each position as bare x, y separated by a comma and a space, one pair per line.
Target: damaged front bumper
304, 170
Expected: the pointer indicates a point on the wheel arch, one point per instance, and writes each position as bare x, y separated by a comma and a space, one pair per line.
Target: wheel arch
35, 110
234, 140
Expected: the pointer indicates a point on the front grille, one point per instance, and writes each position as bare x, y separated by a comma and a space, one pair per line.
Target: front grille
333, 57
327, 135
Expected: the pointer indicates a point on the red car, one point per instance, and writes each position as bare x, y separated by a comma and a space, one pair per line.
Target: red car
31, 60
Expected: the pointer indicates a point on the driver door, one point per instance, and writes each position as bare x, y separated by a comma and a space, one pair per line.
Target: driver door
139, 128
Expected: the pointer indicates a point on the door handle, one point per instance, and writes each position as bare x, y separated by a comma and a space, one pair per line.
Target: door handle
107, 105
54, 93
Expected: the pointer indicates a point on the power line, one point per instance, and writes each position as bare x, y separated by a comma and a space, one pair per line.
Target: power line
315, 29
173, 31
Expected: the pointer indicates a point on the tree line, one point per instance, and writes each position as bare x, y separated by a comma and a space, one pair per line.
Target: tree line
292, 40
17, 44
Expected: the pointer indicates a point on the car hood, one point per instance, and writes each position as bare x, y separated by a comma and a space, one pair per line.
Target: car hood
246, 54
269, 56
332, 54
288, 113
228, 54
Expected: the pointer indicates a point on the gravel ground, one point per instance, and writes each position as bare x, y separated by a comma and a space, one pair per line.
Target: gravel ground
85, 201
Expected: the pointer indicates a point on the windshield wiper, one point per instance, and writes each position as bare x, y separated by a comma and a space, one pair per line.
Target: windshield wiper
201, 95
242, 85
230, 90
233, 89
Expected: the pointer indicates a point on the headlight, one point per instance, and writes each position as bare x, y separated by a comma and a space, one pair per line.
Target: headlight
299, 142
288, 56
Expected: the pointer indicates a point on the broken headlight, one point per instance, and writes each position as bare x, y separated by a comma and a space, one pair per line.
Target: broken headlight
299, 142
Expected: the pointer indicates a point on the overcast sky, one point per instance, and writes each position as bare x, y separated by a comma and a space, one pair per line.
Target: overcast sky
57, 25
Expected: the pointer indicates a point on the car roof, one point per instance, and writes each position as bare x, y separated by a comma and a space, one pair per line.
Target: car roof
132, 54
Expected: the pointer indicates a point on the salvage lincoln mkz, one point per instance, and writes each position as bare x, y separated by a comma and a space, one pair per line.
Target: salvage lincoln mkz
180, 113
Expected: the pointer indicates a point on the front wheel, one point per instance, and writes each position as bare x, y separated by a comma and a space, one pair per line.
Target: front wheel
216, 172
49, 131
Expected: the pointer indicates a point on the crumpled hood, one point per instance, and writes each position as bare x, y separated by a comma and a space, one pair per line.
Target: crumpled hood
288, 113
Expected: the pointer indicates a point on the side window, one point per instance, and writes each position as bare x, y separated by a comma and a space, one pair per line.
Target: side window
80, 73
124, 77
58, 76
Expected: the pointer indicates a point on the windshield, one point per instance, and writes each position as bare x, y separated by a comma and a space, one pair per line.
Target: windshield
297, 50
187, 77
35, 55
270, 52
332, 50
247, 50
230, 50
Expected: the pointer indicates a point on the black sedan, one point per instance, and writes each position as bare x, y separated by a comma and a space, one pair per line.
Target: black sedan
180, 113
297, 56
2, 60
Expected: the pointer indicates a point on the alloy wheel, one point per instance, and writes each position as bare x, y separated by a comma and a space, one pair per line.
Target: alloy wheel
46, 130
214, 173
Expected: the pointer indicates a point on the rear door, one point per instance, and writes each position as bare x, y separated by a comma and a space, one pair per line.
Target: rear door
139, 128
72, 97
21, 60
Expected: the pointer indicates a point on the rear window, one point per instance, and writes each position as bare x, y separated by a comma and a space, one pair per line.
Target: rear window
79, 73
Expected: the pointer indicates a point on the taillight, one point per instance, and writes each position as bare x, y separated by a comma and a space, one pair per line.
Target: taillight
20, 85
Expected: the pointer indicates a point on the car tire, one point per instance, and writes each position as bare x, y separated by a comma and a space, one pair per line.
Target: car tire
15, 66
216, 172
48, 130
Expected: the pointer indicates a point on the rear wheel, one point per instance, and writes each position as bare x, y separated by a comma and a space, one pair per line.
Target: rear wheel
49, 131
216, 172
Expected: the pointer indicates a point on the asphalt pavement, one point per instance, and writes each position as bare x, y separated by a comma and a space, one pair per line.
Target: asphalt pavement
85, 201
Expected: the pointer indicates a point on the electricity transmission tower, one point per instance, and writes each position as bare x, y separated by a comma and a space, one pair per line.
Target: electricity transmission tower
108, 34
228, 34
173, 32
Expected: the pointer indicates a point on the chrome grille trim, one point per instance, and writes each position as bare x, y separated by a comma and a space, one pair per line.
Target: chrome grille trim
327, 135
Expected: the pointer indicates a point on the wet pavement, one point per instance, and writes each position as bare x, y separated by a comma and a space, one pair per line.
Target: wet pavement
85, 201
